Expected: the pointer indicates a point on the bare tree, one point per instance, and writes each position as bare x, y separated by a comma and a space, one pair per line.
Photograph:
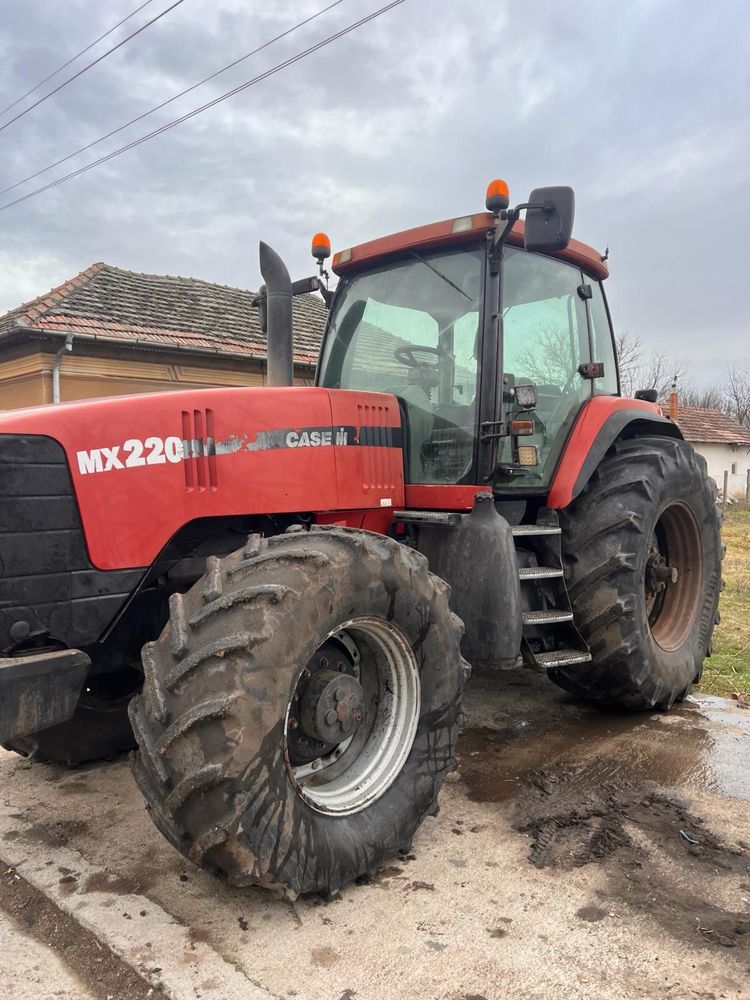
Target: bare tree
737, 389
661, 372
657, 371
629, 353
711, 396
547, 359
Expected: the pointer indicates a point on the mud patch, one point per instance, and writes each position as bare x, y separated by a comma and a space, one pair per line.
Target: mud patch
662, 859
56, 834
324, 958
117, 884
382, 876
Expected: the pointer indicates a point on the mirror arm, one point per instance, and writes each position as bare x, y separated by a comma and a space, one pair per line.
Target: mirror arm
510, 217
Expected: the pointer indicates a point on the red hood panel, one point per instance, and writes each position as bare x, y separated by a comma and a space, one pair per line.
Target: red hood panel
143, 466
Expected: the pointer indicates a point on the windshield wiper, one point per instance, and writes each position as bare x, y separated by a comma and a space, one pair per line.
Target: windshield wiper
446, 279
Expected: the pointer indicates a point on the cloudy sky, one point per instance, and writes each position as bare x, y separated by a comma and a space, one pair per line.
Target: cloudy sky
644, 107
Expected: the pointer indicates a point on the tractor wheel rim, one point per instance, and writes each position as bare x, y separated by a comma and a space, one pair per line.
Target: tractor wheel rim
676, 545
357, 771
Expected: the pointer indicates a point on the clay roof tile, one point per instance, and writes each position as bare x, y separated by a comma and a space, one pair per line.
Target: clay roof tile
708, 426
112, 302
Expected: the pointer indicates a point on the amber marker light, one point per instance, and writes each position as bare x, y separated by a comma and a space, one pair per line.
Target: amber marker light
498, 196
520, 427
321, 247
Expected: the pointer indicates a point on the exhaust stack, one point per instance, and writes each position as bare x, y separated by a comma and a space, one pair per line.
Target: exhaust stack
278, 291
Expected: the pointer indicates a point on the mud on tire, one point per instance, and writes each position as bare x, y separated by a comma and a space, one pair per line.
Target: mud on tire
645, 654
211, 721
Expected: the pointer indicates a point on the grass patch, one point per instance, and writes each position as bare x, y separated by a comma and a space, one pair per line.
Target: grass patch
728, 670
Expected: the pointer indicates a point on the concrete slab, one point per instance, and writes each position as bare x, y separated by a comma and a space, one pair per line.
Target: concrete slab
575, 855
164, 952
31, 971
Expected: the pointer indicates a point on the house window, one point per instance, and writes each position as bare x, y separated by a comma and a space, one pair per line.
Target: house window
734, 468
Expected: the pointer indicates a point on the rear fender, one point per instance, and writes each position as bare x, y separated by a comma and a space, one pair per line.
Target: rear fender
601, 421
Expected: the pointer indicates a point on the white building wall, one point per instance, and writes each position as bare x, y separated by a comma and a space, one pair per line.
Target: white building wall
721, 457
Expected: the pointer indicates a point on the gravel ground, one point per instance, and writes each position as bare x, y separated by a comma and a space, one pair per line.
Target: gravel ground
576, 854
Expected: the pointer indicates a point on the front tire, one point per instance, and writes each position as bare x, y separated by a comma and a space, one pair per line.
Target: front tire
254, 750
642, 554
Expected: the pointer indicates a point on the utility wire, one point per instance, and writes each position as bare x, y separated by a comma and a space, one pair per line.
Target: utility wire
90, 65
210, 104
182, 93
76, 56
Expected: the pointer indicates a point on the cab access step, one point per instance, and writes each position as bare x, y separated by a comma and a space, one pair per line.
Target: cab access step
546, 634
550, 637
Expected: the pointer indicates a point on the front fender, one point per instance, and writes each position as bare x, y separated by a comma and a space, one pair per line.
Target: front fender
601, 421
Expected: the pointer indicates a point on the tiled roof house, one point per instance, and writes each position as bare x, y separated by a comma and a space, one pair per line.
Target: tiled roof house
723, 442
139, 333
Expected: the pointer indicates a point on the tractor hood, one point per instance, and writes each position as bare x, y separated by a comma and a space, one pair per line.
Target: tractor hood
143, 466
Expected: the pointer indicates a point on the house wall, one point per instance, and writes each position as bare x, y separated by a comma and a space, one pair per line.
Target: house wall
26, 375
721, 457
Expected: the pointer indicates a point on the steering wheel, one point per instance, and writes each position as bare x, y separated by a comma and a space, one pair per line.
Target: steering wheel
406, 355
565, 400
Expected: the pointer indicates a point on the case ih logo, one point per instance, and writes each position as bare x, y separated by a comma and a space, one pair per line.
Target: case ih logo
135, 452
317, 438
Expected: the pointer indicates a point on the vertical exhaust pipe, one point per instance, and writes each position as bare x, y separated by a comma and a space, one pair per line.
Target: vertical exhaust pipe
278, 287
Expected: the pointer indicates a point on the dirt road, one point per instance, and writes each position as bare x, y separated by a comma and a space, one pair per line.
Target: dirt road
576, 854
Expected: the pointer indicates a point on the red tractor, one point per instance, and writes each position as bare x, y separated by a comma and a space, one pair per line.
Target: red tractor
266, 589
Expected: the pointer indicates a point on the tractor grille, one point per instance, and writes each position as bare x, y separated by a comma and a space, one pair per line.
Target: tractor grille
377, 466
48, 587
198, 444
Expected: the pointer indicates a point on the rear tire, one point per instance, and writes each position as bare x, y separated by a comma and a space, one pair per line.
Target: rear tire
650, 506
215, 760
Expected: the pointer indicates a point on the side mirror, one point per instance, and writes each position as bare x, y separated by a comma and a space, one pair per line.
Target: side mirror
549, 219
650, 395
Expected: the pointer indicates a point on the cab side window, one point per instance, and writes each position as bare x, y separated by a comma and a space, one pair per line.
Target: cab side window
601, 339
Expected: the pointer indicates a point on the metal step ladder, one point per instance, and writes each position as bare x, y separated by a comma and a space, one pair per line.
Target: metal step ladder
550, 637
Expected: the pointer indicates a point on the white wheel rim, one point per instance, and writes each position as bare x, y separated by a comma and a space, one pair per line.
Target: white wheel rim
363, 767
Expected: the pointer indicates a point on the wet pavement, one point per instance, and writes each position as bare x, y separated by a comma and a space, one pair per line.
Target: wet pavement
576, 854
700, 744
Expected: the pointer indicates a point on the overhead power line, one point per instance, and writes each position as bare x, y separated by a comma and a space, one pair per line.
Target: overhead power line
209, 104
182, 93
73, 58
85, 69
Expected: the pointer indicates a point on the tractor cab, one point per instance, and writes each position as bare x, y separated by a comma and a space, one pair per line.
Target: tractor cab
492, 342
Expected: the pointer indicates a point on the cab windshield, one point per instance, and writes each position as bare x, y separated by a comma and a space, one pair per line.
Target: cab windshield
410, 328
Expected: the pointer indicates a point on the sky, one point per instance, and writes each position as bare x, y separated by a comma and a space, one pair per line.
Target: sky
643, 107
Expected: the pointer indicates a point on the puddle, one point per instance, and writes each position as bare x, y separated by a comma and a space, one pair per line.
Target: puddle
703, 744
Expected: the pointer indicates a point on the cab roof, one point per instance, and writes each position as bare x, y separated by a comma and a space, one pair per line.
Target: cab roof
460, 230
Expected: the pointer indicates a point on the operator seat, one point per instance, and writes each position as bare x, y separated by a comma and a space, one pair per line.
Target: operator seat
417, 395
